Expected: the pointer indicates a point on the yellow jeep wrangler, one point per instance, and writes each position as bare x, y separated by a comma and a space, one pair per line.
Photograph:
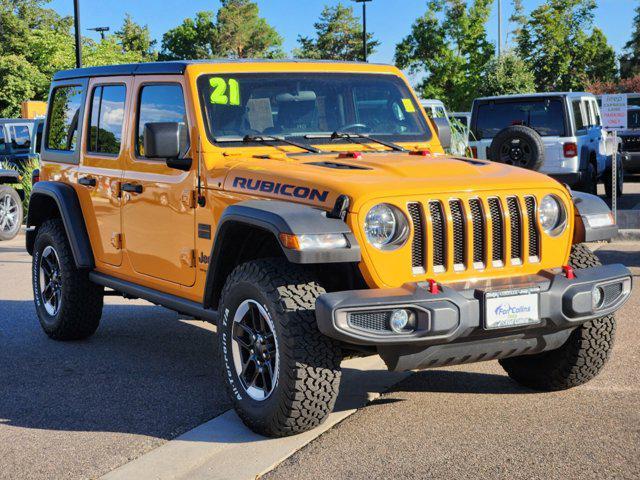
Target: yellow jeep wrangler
309, 211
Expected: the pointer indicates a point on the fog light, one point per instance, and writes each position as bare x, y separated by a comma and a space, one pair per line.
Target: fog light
399, 320
597, 298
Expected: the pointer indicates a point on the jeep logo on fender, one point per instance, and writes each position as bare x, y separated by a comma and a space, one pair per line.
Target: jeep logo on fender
284, 189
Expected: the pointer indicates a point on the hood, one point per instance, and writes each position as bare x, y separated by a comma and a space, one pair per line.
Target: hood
320, 179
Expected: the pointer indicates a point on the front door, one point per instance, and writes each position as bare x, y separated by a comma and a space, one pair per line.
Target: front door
158, 212
102, 165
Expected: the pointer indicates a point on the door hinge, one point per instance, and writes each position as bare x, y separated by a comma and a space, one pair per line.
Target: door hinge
189, 198
116, 241
188, 258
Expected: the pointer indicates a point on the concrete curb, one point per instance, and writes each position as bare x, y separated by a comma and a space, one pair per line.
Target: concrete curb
628, 235
223, 448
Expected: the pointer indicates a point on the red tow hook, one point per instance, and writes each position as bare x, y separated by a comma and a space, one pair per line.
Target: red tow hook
568, 272
433, 286
353, 155
421, 153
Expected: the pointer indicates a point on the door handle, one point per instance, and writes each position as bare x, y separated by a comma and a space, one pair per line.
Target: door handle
87, 181
132, 187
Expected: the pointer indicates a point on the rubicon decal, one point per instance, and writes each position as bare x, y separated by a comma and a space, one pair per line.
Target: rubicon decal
284, 189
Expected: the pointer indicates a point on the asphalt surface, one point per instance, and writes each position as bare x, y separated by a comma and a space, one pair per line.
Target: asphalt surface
81, 409
474, 422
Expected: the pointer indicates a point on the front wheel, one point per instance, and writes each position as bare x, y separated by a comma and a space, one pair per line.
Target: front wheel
576, 362
10, 213
281, 372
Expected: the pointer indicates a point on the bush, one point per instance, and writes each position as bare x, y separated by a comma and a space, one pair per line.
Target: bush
506, 74
26, 176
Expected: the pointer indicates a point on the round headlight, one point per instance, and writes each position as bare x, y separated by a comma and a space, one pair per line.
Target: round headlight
552, 215
385, 226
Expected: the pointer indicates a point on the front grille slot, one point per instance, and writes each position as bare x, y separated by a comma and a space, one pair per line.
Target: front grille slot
497, 230
534, 236
611, 293
516, 230
478, 232
418, 241
375, 321
439, 236
458, 220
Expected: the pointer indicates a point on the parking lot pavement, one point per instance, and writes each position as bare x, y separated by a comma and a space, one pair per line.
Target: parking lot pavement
81, 409
474, 422
630, 200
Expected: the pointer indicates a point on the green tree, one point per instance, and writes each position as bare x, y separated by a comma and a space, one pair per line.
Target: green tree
338, 37
136, 38
238, 32
630, 59
109, 51
192, 39
554, 42
20, 81
506, 75
448, 46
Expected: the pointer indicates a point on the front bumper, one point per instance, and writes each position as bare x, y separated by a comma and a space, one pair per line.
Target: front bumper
450, 324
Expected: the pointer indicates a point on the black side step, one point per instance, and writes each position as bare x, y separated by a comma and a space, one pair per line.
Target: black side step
154, 296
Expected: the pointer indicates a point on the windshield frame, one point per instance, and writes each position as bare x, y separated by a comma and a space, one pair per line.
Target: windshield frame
214, 139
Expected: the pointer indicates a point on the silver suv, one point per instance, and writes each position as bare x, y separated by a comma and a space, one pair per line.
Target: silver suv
559, 134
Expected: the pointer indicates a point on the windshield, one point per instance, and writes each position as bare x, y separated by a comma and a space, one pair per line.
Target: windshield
307, 104
545, 116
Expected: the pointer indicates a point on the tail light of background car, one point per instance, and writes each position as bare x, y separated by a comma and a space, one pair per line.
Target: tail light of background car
35, 176
570, 150
474, 152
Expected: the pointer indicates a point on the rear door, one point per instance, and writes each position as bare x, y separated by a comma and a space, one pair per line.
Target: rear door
101, 166
158, 211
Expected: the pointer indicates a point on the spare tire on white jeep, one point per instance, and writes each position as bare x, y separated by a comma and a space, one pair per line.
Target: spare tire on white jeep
519, 146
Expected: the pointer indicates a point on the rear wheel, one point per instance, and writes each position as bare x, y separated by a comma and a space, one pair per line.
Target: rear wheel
11, 213
281, 372
68, 304
580, 359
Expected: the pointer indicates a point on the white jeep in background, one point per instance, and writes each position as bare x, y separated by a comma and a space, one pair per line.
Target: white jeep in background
435, 109
559, 134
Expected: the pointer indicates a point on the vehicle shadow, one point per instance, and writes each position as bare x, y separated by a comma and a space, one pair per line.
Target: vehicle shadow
628, 258
143, 372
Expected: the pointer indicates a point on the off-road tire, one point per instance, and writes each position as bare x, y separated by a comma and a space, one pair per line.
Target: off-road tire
15, 196
81, 303
589, 183
529, 135
309, 372
580, 359
608, 188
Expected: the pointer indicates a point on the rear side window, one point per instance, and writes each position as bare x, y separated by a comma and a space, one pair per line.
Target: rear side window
579, 114
62, 131
545, 116
20, 137
106, 119
162, 103
596, 113
3, 145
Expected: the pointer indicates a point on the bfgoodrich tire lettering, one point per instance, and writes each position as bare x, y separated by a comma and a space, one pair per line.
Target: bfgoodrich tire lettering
78, 308
308, 362
580, 359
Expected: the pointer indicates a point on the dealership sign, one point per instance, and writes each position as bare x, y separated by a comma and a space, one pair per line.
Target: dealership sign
614, 111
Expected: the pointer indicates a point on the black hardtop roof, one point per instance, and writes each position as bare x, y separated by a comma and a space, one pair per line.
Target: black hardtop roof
176, 67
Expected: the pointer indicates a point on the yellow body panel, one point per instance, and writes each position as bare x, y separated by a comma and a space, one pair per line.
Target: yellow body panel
160, 247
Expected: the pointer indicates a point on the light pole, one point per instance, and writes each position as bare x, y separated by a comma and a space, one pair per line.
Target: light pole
364, 27
76, 25
499, 27
100, 30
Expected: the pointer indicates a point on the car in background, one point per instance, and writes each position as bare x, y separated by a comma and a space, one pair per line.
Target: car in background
11, 210
435, 109
630, 145
463, 117
16, 140
559, 134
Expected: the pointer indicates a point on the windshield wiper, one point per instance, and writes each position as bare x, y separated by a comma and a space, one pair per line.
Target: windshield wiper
354, 136
265, 139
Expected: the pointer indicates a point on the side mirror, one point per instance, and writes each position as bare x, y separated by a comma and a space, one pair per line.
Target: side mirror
444, 131
162, 140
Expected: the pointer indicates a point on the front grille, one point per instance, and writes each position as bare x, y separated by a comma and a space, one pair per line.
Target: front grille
503, 231
417, 242
439, 233
630, 143
375, 321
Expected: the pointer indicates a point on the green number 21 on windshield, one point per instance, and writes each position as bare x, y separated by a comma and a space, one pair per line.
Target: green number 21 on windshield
219, 95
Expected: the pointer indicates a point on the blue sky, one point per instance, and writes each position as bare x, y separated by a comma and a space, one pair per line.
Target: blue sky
389, 20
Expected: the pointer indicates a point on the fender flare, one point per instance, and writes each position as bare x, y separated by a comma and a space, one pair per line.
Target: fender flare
277, 217
589, 206
45, 198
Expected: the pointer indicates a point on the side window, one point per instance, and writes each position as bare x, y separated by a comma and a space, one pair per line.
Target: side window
162, 103
579, 115
106, 119
596, 113
20, 136
62, 132
3, 145
39, 133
